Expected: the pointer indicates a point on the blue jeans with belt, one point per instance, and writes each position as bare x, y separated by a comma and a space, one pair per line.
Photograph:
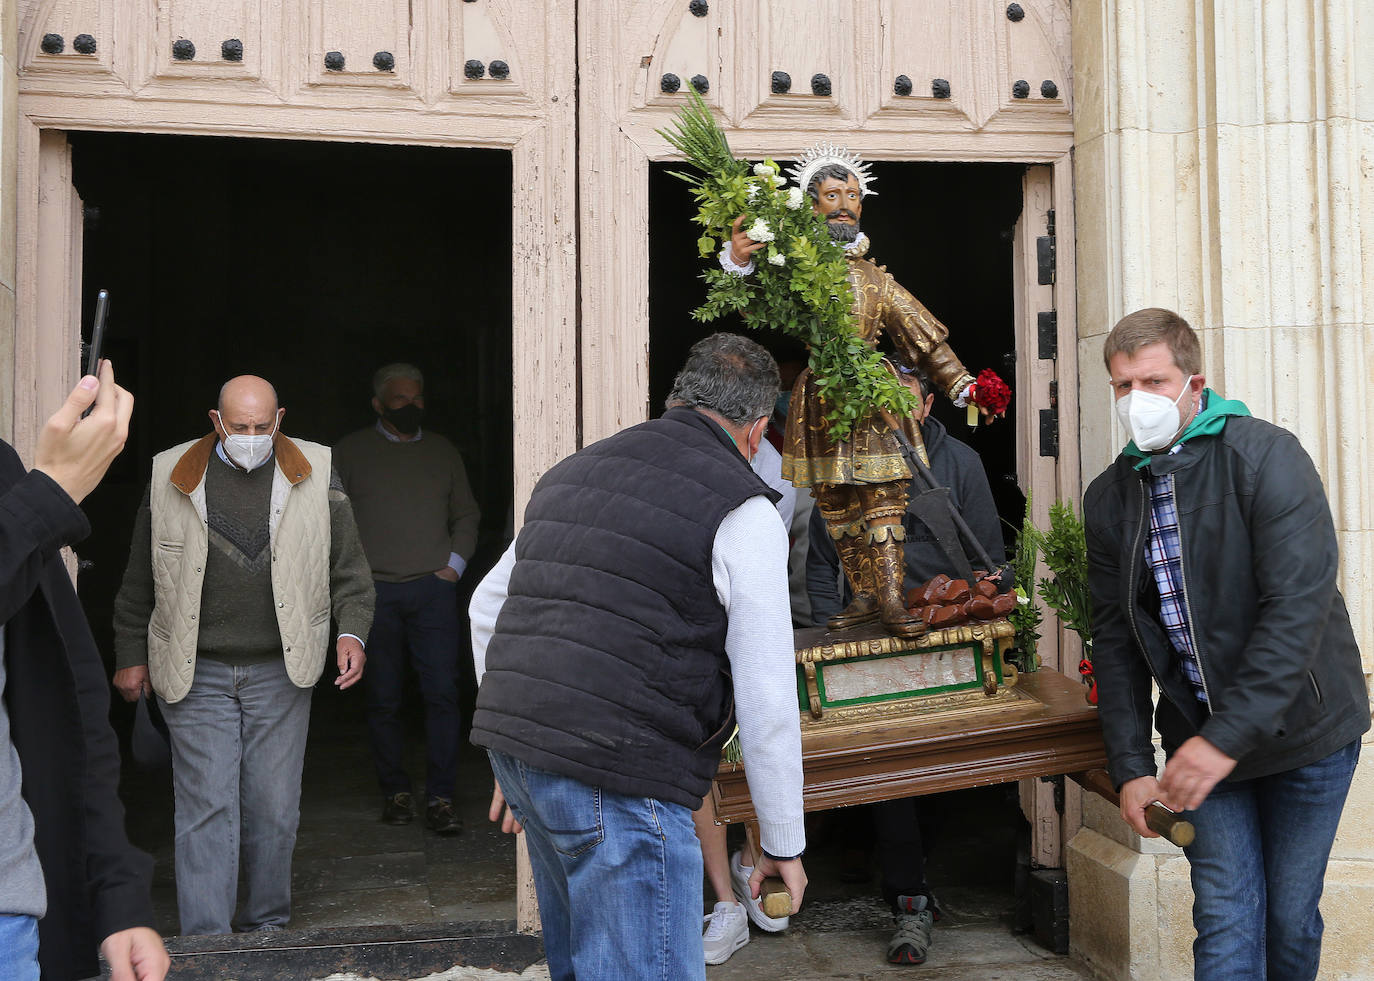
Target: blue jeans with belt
238, 746
421, 617
618, 878
1257, 869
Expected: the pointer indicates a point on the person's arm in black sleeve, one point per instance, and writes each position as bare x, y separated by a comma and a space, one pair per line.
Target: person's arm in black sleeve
37, 518
133, 604
1124, 686
979, 509
822, 571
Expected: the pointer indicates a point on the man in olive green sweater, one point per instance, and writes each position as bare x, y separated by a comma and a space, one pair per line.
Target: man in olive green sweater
418, 521
243, 549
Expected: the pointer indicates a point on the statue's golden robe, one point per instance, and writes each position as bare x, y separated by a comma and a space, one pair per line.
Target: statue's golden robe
872, 454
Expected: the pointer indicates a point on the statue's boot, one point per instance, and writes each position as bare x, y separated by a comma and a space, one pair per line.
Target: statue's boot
857, 560
888, 570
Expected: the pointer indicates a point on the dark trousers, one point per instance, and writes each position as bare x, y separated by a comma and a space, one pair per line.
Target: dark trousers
901, 849
419, 617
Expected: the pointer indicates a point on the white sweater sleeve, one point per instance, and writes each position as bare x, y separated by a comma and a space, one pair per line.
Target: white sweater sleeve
749, 567
485, 607
767, 463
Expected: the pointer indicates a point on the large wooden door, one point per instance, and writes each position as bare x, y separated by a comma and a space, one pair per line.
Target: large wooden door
960, 80
463, 73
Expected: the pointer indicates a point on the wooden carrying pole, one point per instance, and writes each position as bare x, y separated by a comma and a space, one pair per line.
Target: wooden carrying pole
1160, 820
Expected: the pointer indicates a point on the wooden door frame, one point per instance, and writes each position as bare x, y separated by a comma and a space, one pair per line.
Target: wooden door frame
543, 328
615, 340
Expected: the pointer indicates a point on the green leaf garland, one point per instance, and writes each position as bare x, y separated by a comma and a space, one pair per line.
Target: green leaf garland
800, 283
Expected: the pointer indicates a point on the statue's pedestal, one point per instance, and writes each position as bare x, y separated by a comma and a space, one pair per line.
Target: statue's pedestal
884, 718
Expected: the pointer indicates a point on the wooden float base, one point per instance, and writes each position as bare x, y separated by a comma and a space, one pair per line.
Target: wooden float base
1041, 727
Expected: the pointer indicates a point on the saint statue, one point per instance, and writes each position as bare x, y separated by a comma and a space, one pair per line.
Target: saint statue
861, 482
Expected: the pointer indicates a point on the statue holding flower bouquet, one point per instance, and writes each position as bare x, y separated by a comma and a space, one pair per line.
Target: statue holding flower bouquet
792, 258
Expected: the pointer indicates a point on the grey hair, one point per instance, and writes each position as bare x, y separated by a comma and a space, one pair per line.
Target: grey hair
729, 375
833, 172
390, 372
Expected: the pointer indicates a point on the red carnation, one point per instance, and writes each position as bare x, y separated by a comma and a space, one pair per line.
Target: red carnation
991, 393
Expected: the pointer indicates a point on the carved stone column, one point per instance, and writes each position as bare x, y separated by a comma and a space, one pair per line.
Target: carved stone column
1224, 163
9, 113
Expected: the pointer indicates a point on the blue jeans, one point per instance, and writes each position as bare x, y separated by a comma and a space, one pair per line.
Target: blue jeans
618, 878
420, 616
1257, 869
238, 744
18, 948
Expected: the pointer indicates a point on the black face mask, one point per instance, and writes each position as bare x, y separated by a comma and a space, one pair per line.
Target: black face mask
405, 419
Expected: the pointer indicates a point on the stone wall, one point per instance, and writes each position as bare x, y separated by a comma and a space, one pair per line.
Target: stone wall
9, 113
1224, 165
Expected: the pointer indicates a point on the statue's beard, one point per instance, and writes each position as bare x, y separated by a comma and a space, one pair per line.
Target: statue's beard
841, 231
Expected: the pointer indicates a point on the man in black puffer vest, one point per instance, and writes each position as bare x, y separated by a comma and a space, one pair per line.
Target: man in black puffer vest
641, 612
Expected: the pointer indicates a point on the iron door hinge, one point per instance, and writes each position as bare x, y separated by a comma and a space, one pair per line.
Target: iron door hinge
1049, 424
1044, 253
1047, 330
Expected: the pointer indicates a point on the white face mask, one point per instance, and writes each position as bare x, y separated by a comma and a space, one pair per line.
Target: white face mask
1150, 419
247, 452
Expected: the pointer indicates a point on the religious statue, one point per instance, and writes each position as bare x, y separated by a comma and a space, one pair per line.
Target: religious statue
848, 422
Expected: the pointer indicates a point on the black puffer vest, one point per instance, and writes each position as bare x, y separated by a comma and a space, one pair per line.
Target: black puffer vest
608, 663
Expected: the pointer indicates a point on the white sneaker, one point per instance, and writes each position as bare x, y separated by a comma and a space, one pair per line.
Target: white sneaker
727, 930
739, 882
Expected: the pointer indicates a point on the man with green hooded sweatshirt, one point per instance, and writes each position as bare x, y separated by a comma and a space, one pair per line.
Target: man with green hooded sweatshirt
1213, 564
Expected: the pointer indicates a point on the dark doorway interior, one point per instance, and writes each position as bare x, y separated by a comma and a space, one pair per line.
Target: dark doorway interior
944, 230
310, 264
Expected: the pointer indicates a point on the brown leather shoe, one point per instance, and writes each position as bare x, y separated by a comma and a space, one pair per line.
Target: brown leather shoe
441, 819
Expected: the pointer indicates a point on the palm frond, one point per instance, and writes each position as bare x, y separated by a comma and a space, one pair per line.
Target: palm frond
698, 137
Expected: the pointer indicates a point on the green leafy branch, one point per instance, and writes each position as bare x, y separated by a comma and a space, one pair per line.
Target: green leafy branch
1027, 616
800, 283
1066, 592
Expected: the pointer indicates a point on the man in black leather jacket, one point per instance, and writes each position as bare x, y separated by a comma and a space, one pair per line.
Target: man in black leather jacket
1213, 566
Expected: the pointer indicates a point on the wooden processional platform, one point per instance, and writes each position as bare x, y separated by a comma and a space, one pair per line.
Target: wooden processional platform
885, 718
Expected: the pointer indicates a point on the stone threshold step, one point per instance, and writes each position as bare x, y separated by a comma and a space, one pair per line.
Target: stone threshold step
370, 951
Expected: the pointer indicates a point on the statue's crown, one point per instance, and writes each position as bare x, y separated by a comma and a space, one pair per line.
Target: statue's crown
828, 154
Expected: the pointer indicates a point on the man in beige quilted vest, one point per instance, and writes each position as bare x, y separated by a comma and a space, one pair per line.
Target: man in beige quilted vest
243, 549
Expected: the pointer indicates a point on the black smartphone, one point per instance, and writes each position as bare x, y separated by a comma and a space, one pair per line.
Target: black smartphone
102, 309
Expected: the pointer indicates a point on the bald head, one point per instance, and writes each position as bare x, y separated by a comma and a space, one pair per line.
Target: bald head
248, 405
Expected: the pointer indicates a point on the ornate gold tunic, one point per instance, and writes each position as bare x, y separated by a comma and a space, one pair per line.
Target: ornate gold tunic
872, 454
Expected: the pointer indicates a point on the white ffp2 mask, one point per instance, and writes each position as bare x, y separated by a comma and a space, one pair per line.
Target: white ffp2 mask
1151, 420
247, 452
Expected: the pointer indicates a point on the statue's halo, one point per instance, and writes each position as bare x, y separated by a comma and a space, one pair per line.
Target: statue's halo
826, 155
